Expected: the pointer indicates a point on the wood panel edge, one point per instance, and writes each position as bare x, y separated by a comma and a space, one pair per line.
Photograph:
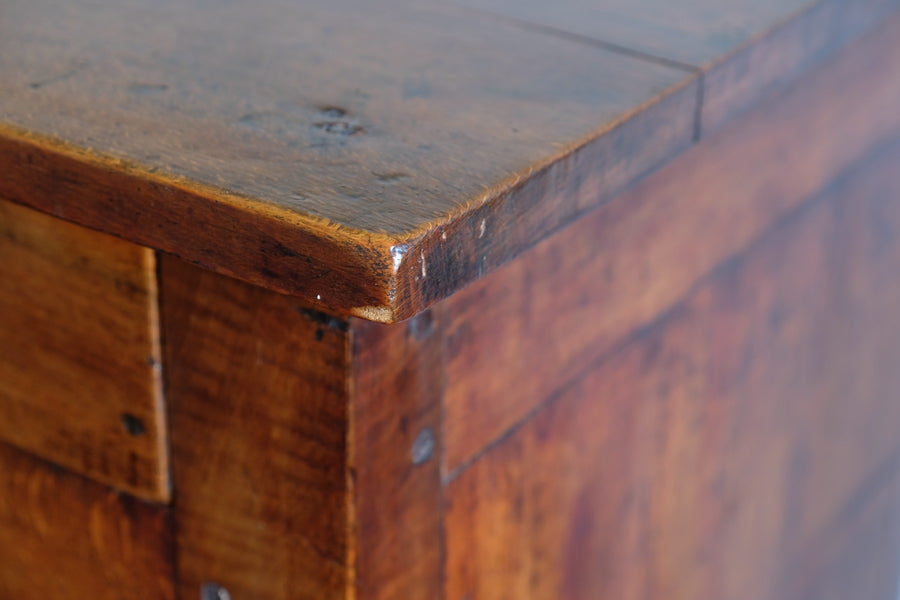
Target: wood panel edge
329, 266
394, 459
518, 215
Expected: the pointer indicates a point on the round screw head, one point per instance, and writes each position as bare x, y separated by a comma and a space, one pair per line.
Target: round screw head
213, 591
423, 446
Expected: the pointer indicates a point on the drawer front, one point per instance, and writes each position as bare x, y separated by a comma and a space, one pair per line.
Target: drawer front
79, 352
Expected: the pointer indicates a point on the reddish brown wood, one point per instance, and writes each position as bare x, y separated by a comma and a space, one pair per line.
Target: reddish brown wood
573, 298
79, 352
395, 458
257, 397
63, 536
731, 450
256, 387
462, 250
686, 394
401, 124
404, 167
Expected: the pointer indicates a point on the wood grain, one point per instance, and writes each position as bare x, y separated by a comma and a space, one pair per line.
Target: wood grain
369, 160
727, 445
742, 47
361, 125
281, 492
256, 387
636, 256
738, 80
395, 458
856, 557
79, 352
689, 32
462, 250
63, 536
376, 118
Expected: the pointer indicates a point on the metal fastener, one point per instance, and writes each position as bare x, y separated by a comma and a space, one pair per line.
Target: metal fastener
213, 591
423, 446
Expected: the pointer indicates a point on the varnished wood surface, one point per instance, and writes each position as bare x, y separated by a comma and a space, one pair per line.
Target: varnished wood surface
79, 352
690, 32
440, 105
742, 47
743, 446
256, 388
64, 536
633, 258
377, 119
396, 391
370, 159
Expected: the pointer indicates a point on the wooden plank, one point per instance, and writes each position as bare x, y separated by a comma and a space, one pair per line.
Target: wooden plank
79, 352
742, 47
717, 452
62, 536
579, 294
256, 386
244, 136
689, 32
395, 458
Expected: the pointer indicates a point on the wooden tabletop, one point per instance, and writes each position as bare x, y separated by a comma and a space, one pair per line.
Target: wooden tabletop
373, 157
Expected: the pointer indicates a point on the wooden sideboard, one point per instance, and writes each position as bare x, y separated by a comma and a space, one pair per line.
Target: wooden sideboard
477, 300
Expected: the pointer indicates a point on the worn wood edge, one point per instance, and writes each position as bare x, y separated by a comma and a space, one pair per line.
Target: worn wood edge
529, 207
371, 275
780, 54
331, 266
364, 274
430, 248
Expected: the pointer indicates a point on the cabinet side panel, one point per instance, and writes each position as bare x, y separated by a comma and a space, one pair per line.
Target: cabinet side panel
515, 336
743, 446
256, 387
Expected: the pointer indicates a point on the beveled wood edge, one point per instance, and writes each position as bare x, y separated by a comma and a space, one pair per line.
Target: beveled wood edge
334, 268
342, 270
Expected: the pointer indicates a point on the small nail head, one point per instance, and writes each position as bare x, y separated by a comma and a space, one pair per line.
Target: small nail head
213, 591
423, 446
